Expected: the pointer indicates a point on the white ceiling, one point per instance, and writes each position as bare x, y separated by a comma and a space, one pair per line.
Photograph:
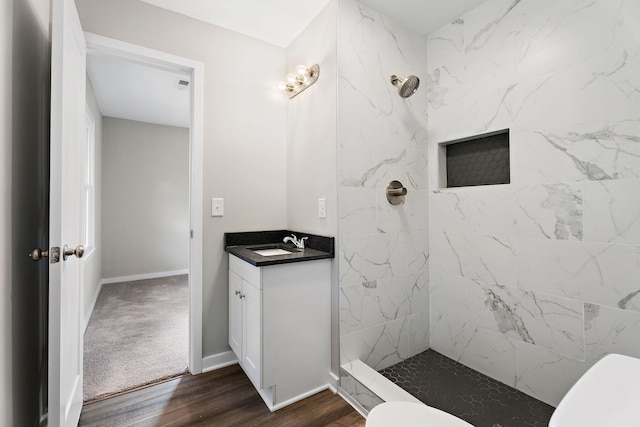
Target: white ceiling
141, 92
279, 22
274, 21
423, 16
128, 90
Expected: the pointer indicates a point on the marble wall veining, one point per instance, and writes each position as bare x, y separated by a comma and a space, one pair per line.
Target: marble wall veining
532, 282
383, 249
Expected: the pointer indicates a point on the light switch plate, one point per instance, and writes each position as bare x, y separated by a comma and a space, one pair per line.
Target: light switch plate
322, 208
217, 207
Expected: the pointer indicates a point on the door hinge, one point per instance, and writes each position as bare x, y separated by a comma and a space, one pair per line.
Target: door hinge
191, 233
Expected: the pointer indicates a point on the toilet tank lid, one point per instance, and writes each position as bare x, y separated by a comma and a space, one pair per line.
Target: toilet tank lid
606, 395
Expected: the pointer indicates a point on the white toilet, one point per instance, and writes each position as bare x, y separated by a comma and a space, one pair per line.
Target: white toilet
607, 395
410, 414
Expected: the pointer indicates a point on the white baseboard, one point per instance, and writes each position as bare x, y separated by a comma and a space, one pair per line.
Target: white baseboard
334, 381
217, 361
273, 408
94, 300
144, 276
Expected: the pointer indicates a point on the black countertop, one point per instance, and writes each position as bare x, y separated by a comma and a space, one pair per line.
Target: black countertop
316, 247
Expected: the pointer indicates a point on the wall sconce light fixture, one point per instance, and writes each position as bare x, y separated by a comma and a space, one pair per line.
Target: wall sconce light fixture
302, 79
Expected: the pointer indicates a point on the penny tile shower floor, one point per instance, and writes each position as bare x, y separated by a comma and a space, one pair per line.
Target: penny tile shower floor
452, 387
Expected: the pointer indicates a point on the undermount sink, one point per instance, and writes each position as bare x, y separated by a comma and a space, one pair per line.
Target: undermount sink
271, 250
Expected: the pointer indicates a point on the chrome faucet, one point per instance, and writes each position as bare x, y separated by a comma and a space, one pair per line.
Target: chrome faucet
299, 243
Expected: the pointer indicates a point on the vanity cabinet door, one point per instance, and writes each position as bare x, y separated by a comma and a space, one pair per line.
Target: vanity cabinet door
235, 314
252, 358
280, 327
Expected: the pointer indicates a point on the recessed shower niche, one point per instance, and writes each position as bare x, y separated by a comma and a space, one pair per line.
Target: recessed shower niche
476, 160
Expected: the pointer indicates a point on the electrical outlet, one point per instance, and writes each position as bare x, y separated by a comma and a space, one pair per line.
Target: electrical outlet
217, 207
322, 208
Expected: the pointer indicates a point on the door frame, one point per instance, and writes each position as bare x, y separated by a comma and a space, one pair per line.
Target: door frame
113, 47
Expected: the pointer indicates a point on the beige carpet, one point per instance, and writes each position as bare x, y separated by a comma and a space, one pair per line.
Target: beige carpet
137, 335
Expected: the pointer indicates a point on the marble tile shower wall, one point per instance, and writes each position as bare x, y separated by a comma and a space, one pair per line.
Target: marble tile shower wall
383, 259
534, 281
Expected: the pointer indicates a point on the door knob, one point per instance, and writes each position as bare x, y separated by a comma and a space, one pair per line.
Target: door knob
37, 254
78, 251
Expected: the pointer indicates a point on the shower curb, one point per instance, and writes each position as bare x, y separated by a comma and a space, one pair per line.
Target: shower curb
382, 387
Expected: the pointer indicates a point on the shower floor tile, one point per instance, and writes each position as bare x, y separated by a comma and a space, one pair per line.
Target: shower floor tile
452, 387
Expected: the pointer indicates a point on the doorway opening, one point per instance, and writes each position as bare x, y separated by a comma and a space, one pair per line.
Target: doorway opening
143, 272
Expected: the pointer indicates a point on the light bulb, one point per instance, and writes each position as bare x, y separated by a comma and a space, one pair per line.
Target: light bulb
302, 72
282, 86
291, 79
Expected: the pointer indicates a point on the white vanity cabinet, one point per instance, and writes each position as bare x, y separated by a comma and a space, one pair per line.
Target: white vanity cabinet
280, 327
245, 306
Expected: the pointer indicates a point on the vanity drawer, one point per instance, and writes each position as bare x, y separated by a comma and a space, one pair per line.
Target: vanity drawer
248, 272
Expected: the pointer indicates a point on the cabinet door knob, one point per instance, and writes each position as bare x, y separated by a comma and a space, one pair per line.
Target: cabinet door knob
242, 296
237, 292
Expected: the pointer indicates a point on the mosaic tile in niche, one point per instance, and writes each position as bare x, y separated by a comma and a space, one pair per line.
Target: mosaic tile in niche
479, 161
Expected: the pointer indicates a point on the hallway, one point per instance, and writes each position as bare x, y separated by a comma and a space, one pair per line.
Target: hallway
137, 335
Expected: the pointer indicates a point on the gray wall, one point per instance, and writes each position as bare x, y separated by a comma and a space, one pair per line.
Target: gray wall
312, 145
244, 130
534, 281
311, 130
92, 265
145, 199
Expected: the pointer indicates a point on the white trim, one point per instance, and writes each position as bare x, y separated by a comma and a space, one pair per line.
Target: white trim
217, 361
89, 253
89, 198
140, 54
334, 382
196, 203
94, 300
158, 275
268, 398
156, 58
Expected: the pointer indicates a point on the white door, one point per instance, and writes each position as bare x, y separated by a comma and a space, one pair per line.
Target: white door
68, 56
235, 314
252, 344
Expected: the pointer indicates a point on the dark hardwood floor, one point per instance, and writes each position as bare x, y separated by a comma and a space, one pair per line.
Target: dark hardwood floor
224, 397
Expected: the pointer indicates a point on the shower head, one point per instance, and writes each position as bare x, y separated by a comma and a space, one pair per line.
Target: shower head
406, 87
